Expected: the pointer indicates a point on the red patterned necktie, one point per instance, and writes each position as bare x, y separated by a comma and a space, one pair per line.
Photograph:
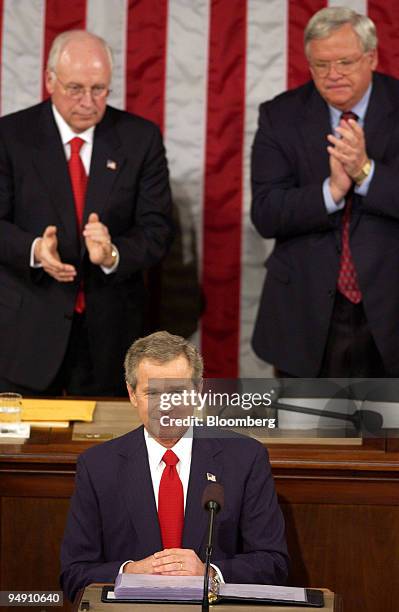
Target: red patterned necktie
171, 503
79, 183
347, 277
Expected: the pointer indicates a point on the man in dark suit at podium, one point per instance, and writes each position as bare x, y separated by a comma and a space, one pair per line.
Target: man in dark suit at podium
137, 502
85, 208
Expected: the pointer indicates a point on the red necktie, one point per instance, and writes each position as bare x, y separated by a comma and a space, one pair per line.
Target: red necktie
78, 178
347, 277
79, 183
171, 503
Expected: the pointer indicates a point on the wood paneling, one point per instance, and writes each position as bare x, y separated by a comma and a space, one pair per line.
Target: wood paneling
31, 529
350, 549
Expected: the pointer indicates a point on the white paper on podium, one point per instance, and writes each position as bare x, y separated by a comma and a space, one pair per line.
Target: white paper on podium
148, 586
183, 588
263, 591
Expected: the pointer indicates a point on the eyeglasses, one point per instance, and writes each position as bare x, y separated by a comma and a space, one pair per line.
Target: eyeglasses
342, 66
76, 92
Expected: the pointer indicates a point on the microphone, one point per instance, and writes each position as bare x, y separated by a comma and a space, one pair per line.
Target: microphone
213, 497
212, 501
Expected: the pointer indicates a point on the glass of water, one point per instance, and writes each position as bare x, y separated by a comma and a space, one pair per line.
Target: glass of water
10, 407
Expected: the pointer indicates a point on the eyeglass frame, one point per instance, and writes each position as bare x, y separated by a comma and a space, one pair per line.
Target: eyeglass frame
327, 65
83, 90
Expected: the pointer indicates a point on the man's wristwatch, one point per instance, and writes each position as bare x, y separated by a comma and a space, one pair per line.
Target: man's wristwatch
114, 257
363, 174
114, 254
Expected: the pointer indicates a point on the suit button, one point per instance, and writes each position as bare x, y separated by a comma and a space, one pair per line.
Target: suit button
331, 293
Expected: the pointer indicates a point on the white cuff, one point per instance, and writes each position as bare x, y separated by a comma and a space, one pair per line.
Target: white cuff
32, 262
330, 204
123, 565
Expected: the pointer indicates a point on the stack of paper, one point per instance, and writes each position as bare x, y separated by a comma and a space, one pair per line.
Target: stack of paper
146, 586
189, 588
263, 591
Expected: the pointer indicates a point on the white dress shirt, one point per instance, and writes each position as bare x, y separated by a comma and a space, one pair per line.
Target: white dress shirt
67, 133
182, 450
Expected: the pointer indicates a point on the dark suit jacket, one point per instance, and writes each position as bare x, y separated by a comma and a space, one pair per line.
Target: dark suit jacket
133, 200
289, 164
113, 516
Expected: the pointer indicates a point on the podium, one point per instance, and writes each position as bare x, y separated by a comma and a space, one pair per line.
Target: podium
89, 599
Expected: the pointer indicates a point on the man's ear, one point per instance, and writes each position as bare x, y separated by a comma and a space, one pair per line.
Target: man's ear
132, 395
49, 79
374, 59
199, 385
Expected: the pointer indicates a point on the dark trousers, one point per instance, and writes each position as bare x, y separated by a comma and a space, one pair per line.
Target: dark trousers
76, 374
350, 350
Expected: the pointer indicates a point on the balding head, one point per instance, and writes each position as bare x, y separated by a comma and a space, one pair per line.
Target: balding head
61, 41
78, 76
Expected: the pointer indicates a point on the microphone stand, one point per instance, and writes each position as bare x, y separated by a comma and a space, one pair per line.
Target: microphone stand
363, 420
213, 507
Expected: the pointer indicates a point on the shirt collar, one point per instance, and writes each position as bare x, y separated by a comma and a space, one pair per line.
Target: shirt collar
66, 131
156, 451
360, 109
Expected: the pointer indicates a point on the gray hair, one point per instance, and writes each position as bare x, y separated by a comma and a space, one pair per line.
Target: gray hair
64, 38
161, 347
327, 20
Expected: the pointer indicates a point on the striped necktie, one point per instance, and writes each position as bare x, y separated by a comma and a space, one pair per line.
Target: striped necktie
347, 277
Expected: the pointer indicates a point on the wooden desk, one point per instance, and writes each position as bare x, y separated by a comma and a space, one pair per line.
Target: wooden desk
92, 594
341, 506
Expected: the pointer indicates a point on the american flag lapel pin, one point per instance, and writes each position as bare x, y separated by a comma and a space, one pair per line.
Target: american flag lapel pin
211, 477
111, 164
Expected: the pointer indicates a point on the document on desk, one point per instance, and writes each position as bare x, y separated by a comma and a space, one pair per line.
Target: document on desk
262, 591
146, 586
189, 588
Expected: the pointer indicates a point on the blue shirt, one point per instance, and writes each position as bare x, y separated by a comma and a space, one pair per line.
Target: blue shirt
335, 114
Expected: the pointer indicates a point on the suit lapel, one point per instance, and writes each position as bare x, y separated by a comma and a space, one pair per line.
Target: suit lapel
378, 122
203, 460
50, 162
314, 126
136, 483
378, 126
136, 486
106, 163
49, 159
